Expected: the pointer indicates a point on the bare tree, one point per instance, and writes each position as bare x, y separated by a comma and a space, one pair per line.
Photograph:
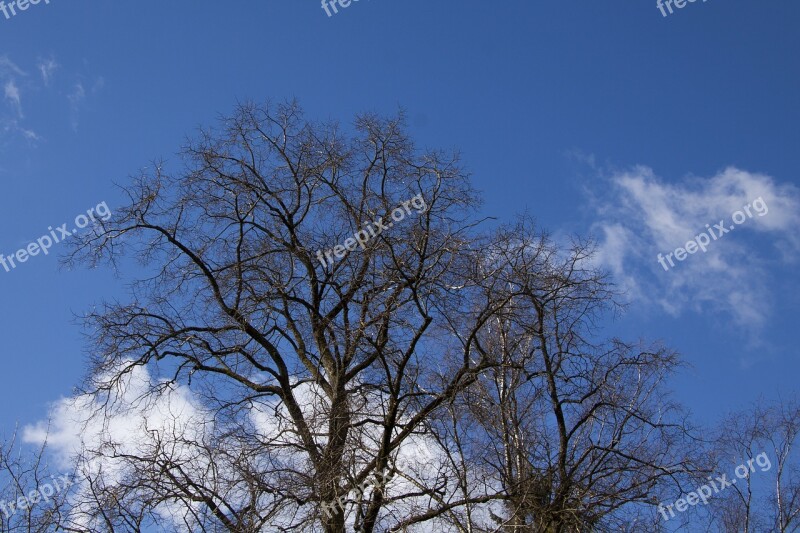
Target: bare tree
337, 357
32, 495
767, 498
326, 340
579, 434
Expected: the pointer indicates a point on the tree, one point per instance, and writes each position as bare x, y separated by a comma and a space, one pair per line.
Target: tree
325, 338
243, 304
32, 496
580, 433
768, 498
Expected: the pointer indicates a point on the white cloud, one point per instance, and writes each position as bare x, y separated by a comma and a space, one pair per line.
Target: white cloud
642, 216
75, 98
14, 81
99, 83
129, 419
46, 68
73, 424
30, 135
9, 122
12, 94
132, 420
9, 68
11, 126
77, 95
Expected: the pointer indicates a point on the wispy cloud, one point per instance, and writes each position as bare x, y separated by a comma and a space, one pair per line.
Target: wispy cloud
75, 97
12, 94
9, 122
641, 216
15, 84
80, 92
9, 68
30, 135
9, 72
98, 84
46, 68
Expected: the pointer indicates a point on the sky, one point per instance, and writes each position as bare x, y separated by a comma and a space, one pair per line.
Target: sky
599, 119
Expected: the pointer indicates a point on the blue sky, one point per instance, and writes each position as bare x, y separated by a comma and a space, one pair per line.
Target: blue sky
597, 118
